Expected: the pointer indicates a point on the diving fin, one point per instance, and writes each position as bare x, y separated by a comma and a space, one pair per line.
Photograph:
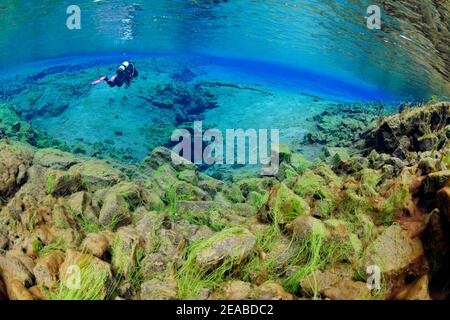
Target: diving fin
99, 81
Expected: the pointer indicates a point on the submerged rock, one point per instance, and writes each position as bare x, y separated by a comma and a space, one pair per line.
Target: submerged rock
393, 251
159, 290
96, 174
55, 159
232, 244
15, 160
114, 210
272, 291
46, 270
284, 205
348, 290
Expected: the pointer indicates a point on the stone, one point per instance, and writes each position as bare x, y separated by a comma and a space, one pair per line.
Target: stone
125, 249
304, 226
96, 174
95, 244
404, 145
46, 270
61, 183
189, 176
337, 154
284, 205
96, 275
153, 264
147, 225
393, 251
114, 210
159, 290
236, 290
136, 195
163, 156
318, 281
15, 160
17, 291
235, 244
54, 159
11, 268
348, 290
272, 291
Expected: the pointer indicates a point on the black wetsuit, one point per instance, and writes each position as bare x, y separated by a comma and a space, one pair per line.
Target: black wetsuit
123, 76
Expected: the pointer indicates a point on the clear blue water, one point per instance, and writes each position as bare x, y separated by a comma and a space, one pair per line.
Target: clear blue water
323, 41
301, 56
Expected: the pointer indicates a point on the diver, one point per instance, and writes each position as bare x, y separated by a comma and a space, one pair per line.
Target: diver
124, 74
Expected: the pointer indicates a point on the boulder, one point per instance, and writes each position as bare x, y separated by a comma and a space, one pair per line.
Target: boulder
95, 244
127, 249
15, 160
348, 290
235, 244
96, 174
284, 205
17, 291
159, 290
419, 290
46, 270
163, 156
62, 183
4, 241
393, 251
115, 209
153, 264
236, 290
272, 291
304, 226
11, 268
136, 195
318, 281
95, 277
54, 159
147, 225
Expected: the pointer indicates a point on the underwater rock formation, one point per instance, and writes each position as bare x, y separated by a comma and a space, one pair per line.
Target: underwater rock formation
164, 230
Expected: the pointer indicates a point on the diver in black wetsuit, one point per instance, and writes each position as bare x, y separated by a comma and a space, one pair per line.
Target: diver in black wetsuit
125, 73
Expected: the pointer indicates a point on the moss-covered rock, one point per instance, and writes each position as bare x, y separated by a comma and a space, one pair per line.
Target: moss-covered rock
15, 159
229, 245
127, 251
55, 159
96, 174
115, 209
393, 251
284, 205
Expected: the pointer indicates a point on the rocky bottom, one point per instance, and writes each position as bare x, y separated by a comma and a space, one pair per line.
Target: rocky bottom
79, 228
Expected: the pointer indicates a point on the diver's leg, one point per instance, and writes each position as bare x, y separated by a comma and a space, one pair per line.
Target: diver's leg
112, 82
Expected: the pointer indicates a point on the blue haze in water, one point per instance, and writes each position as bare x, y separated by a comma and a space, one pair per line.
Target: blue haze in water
319, 47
